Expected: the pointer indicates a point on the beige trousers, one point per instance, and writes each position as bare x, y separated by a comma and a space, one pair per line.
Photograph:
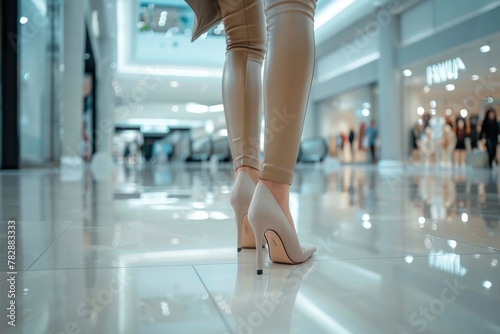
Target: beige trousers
289, 44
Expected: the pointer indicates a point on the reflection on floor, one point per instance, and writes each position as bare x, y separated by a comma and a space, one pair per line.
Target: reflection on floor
153, 250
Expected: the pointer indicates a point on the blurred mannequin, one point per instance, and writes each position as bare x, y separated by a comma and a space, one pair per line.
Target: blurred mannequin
460, 146
427, 146
436, 124
447, 145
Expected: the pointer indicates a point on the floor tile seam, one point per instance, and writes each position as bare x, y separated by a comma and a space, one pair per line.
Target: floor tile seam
135, 267
400, 257
53, 241
465, 242
213, 300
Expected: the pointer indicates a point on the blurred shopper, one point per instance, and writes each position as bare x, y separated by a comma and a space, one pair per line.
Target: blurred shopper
372, 134
352, 136
461, 134
416, 134
126, 153
489, 132
282, 32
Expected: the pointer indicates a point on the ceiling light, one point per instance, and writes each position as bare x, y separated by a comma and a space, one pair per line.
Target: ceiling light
465, 217
448, 112
366, 217
449, 87
407, 73
95, 24
487, 284
196, 108
463, 113
420, 111
421, 220
433, 111
367, 105
209, 126
330, 12
175, 108
365, 112
427, 89
452, 244
433, 104
174, 84
408, 259
23, 20
367, 225
474, 77
223, 132
485, 48
216, 108
493, 69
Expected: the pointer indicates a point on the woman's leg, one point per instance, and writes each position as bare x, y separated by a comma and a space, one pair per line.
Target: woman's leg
288, 76
244, 22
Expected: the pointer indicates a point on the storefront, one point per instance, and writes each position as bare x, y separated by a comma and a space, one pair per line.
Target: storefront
344, 121
458, 84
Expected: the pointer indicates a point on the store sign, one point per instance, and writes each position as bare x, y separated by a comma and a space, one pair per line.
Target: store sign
446, 71
154, 128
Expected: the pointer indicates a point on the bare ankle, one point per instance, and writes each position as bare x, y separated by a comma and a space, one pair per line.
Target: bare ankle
281, 192
252, 172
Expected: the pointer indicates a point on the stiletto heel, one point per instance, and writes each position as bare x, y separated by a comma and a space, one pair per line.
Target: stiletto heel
241, 196
268, 220
259, 241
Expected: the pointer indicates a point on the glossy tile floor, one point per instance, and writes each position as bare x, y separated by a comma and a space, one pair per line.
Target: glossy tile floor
153, 250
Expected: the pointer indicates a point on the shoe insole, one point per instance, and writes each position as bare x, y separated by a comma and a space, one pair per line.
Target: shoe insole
247, 237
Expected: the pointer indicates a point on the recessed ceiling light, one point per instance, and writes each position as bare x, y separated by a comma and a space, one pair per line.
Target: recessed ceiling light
407, 73
216, 108
464, 113
474, 77
23, 20
449, 87
420, 111
448, 112
427, 89
493, 69
196, 108
365, 112
174, 84
433, 111
433, 104
485, 48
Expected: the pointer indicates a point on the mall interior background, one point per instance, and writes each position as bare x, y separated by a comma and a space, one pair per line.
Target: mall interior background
113, 77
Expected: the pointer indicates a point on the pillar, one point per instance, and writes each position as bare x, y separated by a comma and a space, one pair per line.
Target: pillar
389, 116
72, 89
